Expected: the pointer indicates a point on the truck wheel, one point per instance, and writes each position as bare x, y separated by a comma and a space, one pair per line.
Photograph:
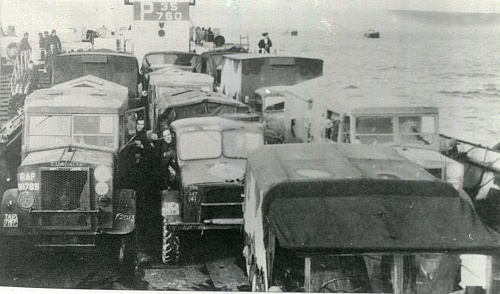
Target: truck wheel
127, 253
170, 248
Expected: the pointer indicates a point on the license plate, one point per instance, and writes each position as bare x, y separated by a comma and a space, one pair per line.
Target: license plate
10, 220
170, 208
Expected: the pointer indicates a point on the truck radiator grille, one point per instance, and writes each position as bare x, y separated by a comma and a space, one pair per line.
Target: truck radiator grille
222, 202
65, 200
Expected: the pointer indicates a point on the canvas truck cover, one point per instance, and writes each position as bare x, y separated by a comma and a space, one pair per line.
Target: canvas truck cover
87, 94
195, 103
172, 76
120, 68
353, 99
156, 60
360, 198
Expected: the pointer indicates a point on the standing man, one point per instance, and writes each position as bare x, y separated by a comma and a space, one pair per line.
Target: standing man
49, 61
210, 35
140, 176
169, 166
46, 41
265, 44
24, 45
41, 45
54, 39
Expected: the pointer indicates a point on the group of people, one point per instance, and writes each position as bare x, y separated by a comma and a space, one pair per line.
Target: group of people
143, 161
45, 41
50, 46
204, 35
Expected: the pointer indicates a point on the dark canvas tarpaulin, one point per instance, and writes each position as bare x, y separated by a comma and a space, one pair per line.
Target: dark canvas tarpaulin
358, 221
374, 215
210, 60
202, 109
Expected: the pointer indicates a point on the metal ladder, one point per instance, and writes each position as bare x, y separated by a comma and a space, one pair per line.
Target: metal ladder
244, 41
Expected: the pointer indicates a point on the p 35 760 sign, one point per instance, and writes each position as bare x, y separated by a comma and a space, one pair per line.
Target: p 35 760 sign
161, 11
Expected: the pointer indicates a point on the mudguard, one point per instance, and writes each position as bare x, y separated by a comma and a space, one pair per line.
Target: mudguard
124, 214
10, 213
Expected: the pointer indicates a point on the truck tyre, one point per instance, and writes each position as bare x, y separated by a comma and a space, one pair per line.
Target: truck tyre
127, 252
170, 248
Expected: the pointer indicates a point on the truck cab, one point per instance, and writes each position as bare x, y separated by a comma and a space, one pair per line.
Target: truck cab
321, 110
68, 192
211, 153
244, 73
345, 218
269, 102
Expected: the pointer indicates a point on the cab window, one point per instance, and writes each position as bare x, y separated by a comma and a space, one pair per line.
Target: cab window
375, 130
417, 129
48, 131
93, 130
189, 144
237, 144
274, 103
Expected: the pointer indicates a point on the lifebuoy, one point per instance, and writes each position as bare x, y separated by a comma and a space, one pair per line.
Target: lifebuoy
12, 50
219, 41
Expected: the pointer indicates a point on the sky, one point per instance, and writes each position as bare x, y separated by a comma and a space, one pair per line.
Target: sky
233, 15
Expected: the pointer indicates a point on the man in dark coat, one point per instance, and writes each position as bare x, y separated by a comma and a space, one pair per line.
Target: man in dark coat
24, 45
46, 41
265, 44
54, 39
169, 166
140, 165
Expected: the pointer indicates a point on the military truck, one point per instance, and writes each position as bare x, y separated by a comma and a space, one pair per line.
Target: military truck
120, 68
192, 103
211, 153
68, 190
345, 218
244, 73
322, 110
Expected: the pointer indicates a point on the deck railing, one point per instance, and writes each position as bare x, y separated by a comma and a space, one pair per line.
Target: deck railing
20, 68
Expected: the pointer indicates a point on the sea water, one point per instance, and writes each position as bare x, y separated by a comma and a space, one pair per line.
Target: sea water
453, 67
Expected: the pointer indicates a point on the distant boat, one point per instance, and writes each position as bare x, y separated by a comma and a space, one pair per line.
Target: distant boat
294, 33
372, 34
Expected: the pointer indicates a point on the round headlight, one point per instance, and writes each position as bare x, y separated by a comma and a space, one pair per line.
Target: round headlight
193, 197
102, 173
103, 200
101, 188
26, 200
